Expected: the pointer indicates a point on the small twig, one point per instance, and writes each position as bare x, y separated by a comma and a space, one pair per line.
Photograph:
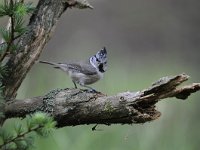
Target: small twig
20, 136
16, 37
94, 128
7, 28
10, 26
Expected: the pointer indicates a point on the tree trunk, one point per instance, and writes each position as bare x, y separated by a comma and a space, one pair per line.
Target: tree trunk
40, 29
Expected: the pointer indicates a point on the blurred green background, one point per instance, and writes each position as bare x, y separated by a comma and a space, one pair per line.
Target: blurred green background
146, 40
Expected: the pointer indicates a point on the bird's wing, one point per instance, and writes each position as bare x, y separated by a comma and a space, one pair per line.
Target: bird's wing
84, 68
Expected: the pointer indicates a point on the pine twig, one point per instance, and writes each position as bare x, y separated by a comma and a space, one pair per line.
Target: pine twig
20, 136
10, 26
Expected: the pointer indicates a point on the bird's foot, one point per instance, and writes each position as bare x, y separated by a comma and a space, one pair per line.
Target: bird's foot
91, 90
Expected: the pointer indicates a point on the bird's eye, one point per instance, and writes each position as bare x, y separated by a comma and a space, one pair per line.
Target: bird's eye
97, 60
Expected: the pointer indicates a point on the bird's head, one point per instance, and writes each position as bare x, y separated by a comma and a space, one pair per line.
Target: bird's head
99, 60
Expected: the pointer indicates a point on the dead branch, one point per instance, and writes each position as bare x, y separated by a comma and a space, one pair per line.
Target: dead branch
72, 107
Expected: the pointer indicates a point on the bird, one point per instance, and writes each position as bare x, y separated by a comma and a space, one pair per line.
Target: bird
84, 72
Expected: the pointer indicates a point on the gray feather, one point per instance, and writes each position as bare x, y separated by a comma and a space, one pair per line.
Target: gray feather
82, 67
79, 67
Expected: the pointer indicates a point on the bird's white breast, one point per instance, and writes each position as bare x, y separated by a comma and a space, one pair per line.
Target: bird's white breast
83, 79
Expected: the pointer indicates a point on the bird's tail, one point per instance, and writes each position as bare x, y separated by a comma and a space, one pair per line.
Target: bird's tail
55, 65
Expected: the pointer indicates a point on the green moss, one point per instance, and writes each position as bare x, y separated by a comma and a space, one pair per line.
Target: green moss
48, 101
108, 107
52, 94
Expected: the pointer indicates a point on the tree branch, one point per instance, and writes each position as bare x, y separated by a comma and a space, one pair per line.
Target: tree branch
72, 107
41, 26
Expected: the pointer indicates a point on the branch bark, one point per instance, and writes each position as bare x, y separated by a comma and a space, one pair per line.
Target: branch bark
72, 107
41, 26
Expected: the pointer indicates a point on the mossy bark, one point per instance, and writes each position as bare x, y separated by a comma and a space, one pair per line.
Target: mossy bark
72, 107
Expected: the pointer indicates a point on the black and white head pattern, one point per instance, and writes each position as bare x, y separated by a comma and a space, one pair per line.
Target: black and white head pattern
99, 60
